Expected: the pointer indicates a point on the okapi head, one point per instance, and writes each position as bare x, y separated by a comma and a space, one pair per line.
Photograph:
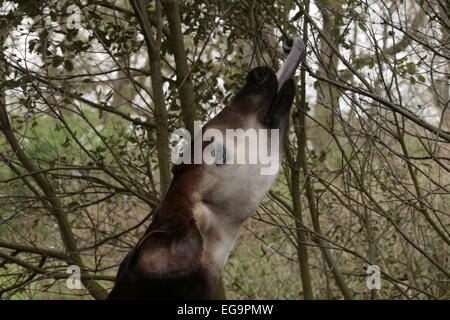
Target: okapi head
184, 250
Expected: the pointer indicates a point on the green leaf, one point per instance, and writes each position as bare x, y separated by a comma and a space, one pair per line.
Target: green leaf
411, 67
362, 26
56, 61
66, 143
66, 85
53, 16
68, 65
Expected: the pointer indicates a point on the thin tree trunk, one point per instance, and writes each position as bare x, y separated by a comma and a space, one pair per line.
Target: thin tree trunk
301, 133
327, 94
310, 195
184, 81
153, 48
302, 248
51, 201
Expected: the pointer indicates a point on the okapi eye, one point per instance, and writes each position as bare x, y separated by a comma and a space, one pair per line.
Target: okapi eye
220, 155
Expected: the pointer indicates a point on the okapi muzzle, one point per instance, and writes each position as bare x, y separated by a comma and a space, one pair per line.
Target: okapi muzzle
184, 250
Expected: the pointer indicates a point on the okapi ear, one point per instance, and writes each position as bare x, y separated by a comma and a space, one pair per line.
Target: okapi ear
169, 253
282, 104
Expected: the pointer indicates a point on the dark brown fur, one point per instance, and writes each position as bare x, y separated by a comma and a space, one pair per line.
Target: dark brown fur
167, 261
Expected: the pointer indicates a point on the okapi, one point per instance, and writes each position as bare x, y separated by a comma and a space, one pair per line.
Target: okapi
184, 250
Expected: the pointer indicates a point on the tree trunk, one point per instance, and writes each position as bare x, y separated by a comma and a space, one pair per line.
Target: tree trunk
184, 82
327, 94
162, 128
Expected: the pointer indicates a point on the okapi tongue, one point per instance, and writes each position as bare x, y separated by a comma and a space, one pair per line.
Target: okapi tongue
287, 70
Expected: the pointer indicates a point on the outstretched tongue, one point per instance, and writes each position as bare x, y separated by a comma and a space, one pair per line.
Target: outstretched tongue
296, 49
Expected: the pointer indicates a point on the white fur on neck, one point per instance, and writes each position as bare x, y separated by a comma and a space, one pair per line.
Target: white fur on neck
218, 236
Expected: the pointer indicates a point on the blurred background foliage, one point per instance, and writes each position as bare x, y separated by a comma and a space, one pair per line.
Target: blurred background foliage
90, 91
